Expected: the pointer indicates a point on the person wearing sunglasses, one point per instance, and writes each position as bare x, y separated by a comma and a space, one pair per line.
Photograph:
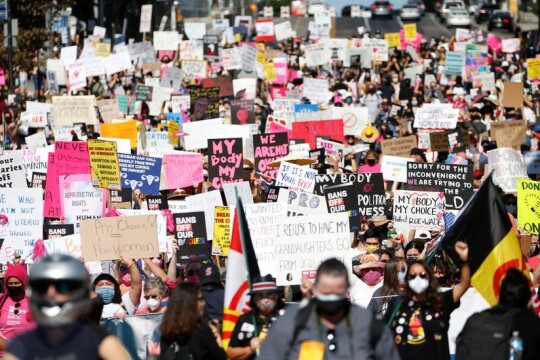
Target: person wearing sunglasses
420, 318
328, 326
59, 288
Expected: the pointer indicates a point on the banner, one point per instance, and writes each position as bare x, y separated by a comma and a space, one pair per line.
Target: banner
419, 209
104, 164
140, 172
528, 206
222, 230
183, 170
508, 167
268, 148
296, 177
190, 234
225, 164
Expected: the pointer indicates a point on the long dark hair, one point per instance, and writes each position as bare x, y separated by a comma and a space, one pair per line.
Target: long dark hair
391, 281
182, 317
433, 296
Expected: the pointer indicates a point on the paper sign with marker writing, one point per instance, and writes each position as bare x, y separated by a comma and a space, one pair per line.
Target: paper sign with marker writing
242, 188
73, 109
132, 237
183, 170
419, 209
140, 172
34, 119
38, 140
205, 202
394, 168
296, 177
104, 164
301, 203
68, 245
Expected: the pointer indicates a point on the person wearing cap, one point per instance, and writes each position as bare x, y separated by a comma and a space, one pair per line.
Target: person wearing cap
212, 290
418, 155
252, 327
370, 278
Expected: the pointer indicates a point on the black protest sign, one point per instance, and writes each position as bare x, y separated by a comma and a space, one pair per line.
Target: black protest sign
242, 112
318, 155
58, 230
225, 161
143, 92
38, 180
267, 148
224, 83
191, 237
211, 47
456, 142
121, 196
157, 202
273, 193
204, 103
342, 198
456, 181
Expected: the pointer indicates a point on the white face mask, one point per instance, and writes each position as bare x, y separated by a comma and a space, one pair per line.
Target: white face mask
153, 304
418, 285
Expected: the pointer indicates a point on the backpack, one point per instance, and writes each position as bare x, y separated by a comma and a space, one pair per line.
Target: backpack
486, 335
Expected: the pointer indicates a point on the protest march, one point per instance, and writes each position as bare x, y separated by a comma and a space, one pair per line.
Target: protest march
232, 189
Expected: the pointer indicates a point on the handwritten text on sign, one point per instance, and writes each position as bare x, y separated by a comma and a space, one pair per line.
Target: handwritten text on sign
296, 177
132, 237
419, 209
268, 148
225, 161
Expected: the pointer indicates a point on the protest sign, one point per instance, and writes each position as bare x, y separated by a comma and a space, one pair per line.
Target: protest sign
242, 112
182, 170
301, 203
355, 119
456, 181
410, 31
303, 242
507, 166
262, 221
273, 193
198, 133
38, 140
56, 66
180, 103
204, 103
101, 49
117, 62
486, 81
140, 172
70, 109
284, 109
511, 45
161, 224
222, 230
378, 48
33, 159
265, 30
80, 200
343, 198
268, 148
394, 40
399, 146
52, 231
225, 161
68, 244
172, 78
230, 59
528, 206
104, 164
296, 177
206, 202
157, 139
510, 134
194, 69
283, 31
394, 168
242, 189
245, 88
309, 130
122, 130
143, 92
436, 117
533, 69
156, 202
123, 197
132, 237
419, 209
23, 224
532, 161
166, 40
34, 119
195, 30
108, 109
454, 63
211, 47
316, 90
38, 180
146, 19
512, 94
190, 234
191, 50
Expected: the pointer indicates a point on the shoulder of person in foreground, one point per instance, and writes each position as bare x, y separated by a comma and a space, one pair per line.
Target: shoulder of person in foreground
277, 343
381, 337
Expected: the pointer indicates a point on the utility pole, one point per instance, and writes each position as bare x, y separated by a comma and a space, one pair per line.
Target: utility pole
10, 46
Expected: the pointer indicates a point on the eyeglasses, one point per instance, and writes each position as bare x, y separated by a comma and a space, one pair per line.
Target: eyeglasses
423, 275
331, 337
146, 297
16, 311
62, 287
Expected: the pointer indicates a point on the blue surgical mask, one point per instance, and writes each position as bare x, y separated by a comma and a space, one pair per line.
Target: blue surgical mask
106, 293
402, 275
414, 103
511, 208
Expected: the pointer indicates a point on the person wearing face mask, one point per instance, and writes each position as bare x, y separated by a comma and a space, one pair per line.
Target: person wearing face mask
395, 272
328, 326
212, 290
370, 279
252, 327
413, 251
372, 163
15, 315
155, 291
372, 101
420, 318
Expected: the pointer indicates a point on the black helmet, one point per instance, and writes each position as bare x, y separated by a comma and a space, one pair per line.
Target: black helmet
69, 276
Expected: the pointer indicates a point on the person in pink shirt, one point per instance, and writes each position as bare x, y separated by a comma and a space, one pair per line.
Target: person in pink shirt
372, 163
15, 317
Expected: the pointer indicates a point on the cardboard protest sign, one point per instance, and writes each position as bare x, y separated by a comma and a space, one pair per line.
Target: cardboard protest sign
296, 177
225, 161
532, 161
190, 234
242, 112
342, 198
529, 206
140, 172
456, 181
419, 209
513, 94
205, 202
80, 200
303, 242
268, 148
222, 230
161, 225
394, 168
104, 164
52, 231
123, 130
108, 109
262, 221
24, 223
399, 146
301, 203
507, 166
204, 103
510, 134
439, 141
183, 169
309, 130
132, 237
70, 109
243, 190
436, 117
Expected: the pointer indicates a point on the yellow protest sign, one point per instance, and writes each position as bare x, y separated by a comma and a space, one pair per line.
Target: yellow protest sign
261, 57
410, 32
102, 49
222, 231
533, 69
394, 40
123, 130
104, 164
269, 71
528, 195
173, 128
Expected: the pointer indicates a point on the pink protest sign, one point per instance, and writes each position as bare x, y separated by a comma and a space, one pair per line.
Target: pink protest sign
183, 170
281, 72
69, 158
274, 127
414, 43
494, 43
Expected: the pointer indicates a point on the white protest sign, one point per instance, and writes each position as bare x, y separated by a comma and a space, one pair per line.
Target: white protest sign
303, 242
284, 109
378, 48
419, 209
94, 66
12, 171
249, 85
194, 69
99, 31
198, 134
146, 19
262, 219
436, 117
68, 55
508, 166
220, 24
195, 30
299, 150
117, 62
283, 31
249, 57
191, 50
206, 202
123, 146
172, 78
34, 119
485, 80
37, 140
511, 45
242, 188
80, 200
394, 168
316, 90
355, 119
166, 40
77, 75
108, 109
68, 245
302, 203
34, 160
230, 58
74, 109
158, 139
296, 177
56, 66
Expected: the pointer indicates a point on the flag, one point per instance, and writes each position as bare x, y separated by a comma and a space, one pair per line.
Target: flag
242, 268
493, 245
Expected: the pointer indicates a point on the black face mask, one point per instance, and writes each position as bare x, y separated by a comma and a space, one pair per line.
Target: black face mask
15, 291
325, 307
371, 161
442, 280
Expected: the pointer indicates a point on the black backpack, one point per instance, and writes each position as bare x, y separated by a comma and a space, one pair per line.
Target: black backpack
486, 335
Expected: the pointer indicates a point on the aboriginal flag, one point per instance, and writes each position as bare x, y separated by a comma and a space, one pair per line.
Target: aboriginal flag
241, 269
493, 245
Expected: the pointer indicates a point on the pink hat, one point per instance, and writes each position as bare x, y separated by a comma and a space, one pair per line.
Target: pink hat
18, 271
